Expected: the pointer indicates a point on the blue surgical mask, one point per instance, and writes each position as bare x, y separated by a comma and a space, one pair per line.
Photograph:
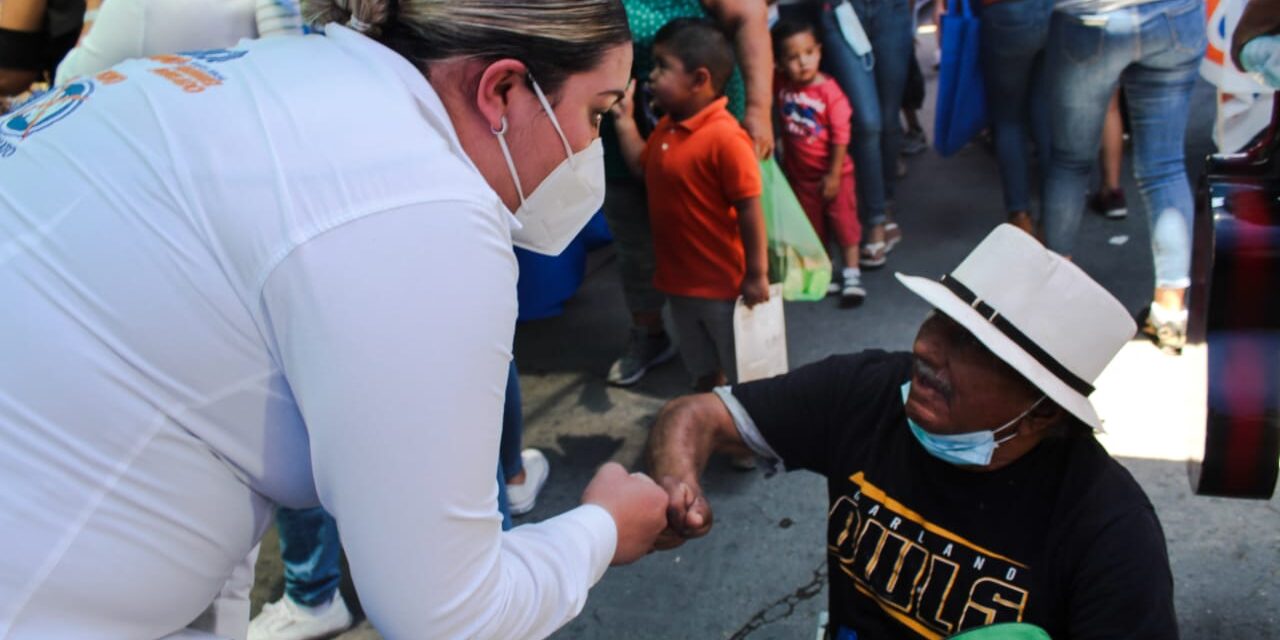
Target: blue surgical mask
969, 449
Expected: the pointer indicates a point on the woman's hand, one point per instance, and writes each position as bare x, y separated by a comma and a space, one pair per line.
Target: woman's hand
638, 506
688, 513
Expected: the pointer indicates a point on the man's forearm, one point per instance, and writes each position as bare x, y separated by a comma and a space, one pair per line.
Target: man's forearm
687, 432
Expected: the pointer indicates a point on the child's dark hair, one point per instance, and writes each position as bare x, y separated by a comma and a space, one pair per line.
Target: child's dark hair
787, 28
697, 42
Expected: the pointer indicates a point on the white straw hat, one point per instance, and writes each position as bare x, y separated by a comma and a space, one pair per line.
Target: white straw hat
1036, 311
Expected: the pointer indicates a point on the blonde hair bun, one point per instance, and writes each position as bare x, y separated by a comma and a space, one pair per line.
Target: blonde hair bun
365, 16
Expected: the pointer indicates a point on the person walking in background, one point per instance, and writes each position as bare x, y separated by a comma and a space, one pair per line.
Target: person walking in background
914, 141
1108, 200
1152, 48
816, 120
749, 93
521, 472
312, 606
708, 225
1011, 44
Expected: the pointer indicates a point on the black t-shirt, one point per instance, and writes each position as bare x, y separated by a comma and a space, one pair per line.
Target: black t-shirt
917, 548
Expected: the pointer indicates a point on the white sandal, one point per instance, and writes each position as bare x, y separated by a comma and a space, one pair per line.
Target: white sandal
872, 255
892, 236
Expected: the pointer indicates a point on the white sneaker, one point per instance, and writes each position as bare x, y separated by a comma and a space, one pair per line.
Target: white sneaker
288, 620
851, 293
522, 497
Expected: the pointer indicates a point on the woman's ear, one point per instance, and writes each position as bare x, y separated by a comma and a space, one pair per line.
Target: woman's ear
493, 92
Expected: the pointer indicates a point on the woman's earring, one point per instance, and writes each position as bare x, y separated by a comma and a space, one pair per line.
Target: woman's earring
503, 130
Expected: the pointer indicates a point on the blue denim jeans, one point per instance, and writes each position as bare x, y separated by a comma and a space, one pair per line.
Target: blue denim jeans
509, 461
874, 84
310, 550
1013, 38
1154, 49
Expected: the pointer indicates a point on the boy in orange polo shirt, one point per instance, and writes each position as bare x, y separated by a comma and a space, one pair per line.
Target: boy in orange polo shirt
703, 181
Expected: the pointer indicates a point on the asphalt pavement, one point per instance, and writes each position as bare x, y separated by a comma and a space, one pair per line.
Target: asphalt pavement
761, 572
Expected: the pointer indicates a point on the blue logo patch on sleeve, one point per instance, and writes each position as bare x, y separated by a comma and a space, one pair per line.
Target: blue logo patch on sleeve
41, 113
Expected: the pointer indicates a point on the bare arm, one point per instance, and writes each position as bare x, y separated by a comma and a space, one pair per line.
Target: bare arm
624, 123
15, 81
748, 20
689, 429
22, 15
831, 181
25, 16
755, 286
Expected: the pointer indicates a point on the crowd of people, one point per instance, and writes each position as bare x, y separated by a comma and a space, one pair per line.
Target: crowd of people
237, 297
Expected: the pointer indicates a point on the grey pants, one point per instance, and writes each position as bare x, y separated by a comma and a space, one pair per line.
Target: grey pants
704, 331
627, 211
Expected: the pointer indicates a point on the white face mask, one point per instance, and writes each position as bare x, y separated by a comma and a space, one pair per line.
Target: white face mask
567, 198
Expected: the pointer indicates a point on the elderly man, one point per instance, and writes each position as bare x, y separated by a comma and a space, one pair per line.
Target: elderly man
965, 485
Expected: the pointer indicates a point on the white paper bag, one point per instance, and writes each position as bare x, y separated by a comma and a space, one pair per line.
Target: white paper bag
760, 337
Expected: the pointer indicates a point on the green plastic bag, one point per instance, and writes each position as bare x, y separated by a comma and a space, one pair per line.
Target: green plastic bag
797, 258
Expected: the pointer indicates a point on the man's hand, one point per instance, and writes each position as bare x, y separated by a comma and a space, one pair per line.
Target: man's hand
830, 187
688, 513
760, 127
637, 504
687, 431
755, 289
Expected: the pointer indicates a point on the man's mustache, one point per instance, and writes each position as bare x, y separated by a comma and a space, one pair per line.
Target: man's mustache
929, 377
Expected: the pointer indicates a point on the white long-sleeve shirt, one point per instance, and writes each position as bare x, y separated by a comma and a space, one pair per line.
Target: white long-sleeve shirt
262, 275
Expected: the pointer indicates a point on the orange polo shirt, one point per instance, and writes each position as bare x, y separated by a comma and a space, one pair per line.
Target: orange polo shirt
694, 170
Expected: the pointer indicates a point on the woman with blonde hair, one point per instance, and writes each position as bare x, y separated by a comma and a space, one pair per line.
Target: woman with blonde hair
281, 274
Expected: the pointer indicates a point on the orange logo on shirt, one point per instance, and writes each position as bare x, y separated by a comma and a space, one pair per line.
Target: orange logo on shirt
170, 59
192, 70
110, 76
191, 79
